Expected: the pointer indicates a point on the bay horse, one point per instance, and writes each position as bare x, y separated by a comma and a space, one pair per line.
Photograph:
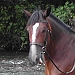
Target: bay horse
52, 37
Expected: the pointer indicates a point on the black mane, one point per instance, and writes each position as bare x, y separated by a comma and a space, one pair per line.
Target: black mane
35, 17
61, 23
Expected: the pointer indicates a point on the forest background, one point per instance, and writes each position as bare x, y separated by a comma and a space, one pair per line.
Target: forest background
13, 35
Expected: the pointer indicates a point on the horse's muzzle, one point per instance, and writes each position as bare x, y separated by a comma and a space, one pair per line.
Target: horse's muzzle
35, 54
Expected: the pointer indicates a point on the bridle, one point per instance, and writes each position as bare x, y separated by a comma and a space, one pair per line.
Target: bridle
45, 41
44, 51
46, 37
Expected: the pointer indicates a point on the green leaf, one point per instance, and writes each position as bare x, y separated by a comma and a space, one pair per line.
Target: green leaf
22, 38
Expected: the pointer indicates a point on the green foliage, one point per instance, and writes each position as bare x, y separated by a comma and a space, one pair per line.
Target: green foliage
13, 22
65, 12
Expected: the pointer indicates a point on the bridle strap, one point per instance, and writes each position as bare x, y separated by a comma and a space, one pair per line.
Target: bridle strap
36, 43
44, 45
46, 37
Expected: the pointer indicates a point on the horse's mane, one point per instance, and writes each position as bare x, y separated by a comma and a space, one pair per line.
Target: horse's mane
60, 23
35, 17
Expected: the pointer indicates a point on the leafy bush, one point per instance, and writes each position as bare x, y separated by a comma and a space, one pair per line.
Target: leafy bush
13, 24
65, 12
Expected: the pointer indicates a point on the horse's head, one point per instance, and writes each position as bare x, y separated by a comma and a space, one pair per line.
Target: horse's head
38, 29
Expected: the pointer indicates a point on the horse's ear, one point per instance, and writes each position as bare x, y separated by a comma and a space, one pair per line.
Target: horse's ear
27, 14
47, 12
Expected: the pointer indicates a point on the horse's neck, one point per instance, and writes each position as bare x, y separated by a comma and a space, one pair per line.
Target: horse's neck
60, 46
59, 30
61, 37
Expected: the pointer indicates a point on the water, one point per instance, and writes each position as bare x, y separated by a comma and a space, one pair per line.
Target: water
18, 64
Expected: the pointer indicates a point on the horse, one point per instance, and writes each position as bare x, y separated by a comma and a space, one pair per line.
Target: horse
50, 36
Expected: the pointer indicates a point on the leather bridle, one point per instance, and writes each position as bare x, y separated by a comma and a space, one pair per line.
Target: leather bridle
46, 37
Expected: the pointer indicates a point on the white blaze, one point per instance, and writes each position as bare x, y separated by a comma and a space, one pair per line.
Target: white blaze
33, 48
34, 32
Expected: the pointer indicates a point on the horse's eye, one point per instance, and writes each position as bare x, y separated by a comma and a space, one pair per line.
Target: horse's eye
43, 31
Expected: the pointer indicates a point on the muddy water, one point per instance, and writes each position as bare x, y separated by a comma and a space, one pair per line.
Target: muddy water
17, 64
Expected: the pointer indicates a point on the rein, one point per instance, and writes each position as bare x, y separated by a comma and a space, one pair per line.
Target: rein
45, 52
